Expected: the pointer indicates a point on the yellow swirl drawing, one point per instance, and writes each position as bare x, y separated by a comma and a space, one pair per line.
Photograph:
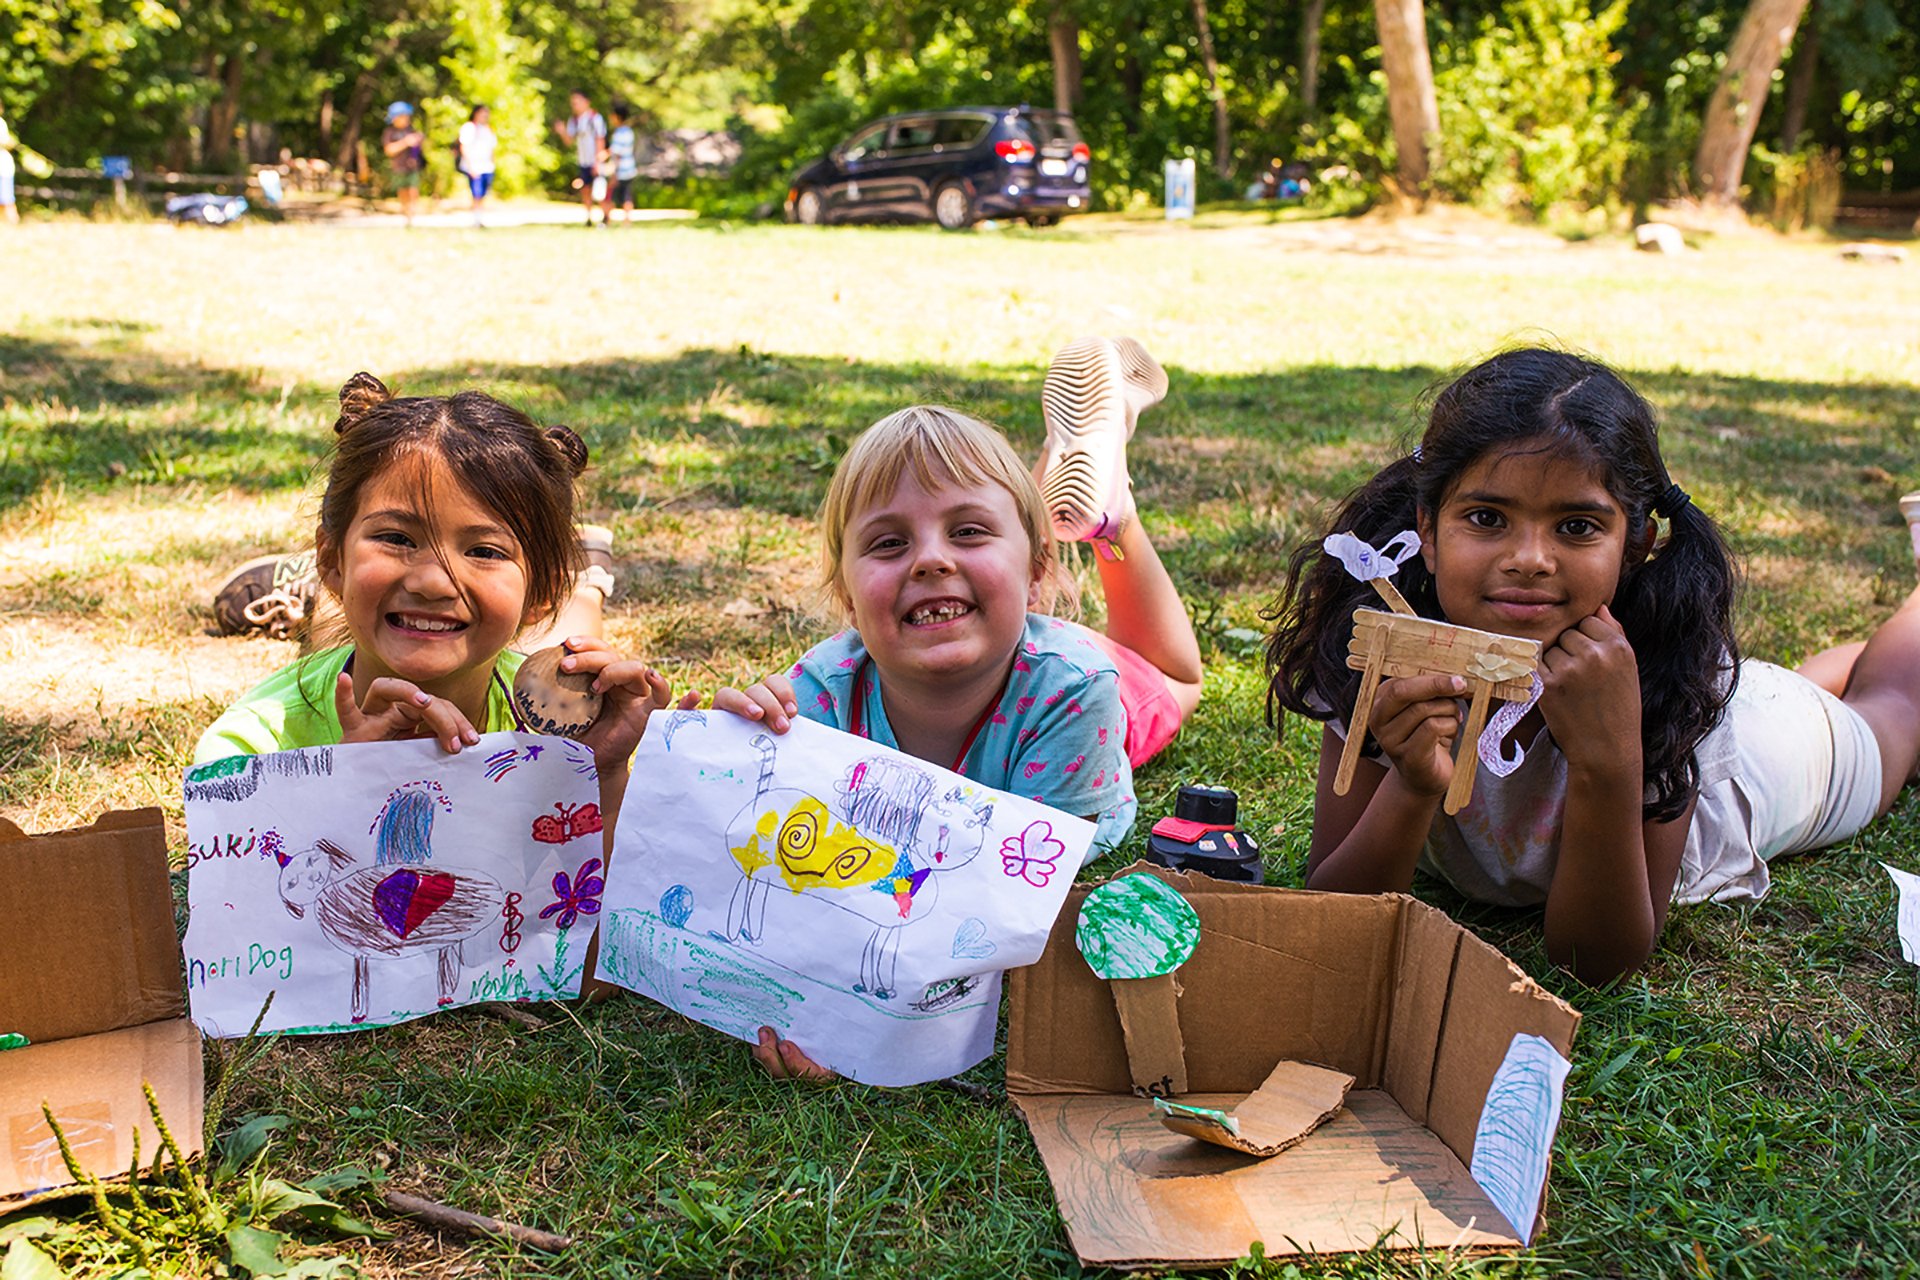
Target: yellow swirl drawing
813, 850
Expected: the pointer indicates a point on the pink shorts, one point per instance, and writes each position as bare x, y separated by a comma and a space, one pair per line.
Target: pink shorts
1153, 717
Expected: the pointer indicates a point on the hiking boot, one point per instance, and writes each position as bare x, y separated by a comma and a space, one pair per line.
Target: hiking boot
597, 542
1095, 391
273, 595
1910, 509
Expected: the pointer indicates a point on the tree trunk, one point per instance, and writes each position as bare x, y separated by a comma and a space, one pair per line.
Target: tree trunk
1222, 132
1310, 55
359, 102
1063, 34
1800, 77
224, 112
1734, 112
1133, 81
326, 123
1410, 101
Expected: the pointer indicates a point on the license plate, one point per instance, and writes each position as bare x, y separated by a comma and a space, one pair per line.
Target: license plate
1053, 168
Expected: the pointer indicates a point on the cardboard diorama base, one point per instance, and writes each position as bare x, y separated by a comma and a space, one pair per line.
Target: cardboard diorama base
101, 1004
1418, 1010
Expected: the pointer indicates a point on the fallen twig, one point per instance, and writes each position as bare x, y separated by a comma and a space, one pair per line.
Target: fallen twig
510, 1012
448, 1218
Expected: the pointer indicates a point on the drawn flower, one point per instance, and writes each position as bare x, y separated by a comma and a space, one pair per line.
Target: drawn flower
575, 898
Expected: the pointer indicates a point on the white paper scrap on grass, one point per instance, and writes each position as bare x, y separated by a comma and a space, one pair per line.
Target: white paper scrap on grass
371, 883
859, 901
1517, 1124
1907, 921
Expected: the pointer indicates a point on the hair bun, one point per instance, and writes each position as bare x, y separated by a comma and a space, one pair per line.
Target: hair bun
571, 447
362, 394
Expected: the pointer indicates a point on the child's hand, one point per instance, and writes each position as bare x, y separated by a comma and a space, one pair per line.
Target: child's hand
633, 691
1415, 720
785, 1060
397, 709
770, 701
1591, 701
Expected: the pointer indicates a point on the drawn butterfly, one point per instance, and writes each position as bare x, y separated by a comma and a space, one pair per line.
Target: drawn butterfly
1031, 855
573, 822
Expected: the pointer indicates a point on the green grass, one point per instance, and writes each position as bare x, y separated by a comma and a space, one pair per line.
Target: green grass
1749, 1105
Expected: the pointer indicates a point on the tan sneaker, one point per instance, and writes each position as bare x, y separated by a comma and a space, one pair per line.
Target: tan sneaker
1910, 508
1095, 391
597, 542
272, 595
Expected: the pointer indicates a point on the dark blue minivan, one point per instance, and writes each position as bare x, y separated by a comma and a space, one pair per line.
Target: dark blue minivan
955, 167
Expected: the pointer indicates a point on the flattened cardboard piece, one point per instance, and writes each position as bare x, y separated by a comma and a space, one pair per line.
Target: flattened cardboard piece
1134, 1193
92, 1083
1294, 1101
1381, 987
102, 1005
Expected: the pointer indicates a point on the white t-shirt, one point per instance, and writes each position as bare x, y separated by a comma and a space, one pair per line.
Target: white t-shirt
588, 128
476, 148
6, 151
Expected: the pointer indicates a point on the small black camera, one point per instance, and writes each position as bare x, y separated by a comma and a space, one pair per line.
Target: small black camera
1202, 836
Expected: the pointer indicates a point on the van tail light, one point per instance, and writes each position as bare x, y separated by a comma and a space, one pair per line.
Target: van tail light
1082, 152
1014, 150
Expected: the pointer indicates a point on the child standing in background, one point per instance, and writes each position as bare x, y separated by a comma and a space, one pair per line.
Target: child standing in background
620, 151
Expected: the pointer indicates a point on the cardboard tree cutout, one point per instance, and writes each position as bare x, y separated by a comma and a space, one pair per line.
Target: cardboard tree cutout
1403, 644
1134, 932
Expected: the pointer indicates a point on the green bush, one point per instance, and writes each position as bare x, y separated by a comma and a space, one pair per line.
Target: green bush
1529, 114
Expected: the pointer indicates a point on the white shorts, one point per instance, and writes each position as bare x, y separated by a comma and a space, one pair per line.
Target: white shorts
1791, 768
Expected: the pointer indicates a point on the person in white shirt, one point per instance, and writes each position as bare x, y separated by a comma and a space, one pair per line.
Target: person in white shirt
587, 131
8, 211
477, 145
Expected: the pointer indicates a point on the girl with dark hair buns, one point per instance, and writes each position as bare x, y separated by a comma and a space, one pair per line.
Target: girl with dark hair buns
445, 532
1656, 766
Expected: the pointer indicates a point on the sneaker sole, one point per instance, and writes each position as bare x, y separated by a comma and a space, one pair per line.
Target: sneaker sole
1094, 393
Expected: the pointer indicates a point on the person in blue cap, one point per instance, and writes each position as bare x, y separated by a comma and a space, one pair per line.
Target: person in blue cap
406, 149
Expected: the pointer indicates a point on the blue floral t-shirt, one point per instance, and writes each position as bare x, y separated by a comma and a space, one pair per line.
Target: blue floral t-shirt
1058, 733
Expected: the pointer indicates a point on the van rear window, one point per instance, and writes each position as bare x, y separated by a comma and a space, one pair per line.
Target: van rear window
1043, 127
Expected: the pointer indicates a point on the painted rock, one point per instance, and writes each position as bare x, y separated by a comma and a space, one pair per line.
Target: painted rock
549, 700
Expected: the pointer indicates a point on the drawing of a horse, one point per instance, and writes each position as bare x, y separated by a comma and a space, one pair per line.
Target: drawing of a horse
879, 858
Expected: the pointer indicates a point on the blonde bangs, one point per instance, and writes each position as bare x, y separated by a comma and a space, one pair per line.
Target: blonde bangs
937, 446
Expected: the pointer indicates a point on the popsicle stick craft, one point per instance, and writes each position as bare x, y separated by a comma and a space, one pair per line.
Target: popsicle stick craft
861, 902
1135, 932
368, 884
1401, 643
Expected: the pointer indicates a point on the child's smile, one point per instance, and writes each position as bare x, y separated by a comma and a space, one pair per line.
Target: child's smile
939, 581
432, 584
1526, 544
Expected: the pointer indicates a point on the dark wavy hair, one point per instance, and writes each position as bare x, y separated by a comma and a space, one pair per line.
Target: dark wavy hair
518, 470
1676, 606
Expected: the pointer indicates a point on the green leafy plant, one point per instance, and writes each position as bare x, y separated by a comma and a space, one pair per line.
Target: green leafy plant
1529, 114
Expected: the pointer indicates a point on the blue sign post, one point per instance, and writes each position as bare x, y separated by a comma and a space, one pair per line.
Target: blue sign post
1180, 189
118, 168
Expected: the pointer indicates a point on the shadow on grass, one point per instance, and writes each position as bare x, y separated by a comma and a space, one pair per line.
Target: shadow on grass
1234, 468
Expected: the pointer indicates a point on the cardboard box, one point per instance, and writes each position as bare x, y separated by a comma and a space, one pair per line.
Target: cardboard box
1419, 1011
93, 982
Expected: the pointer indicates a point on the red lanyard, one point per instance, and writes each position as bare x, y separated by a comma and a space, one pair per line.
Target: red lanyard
857, 713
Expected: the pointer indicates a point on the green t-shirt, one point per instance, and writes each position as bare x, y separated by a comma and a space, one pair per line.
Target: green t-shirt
293, 708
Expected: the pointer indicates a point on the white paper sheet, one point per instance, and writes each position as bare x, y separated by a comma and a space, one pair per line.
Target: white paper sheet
1907, 917
1515, 1134
857, 900
377, 882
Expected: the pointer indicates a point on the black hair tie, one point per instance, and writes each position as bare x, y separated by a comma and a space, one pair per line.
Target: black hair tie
1671, 502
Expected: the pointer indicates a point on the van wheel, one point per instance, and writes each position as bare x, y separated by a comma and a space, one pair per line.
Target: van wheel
953, 207
807, 208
